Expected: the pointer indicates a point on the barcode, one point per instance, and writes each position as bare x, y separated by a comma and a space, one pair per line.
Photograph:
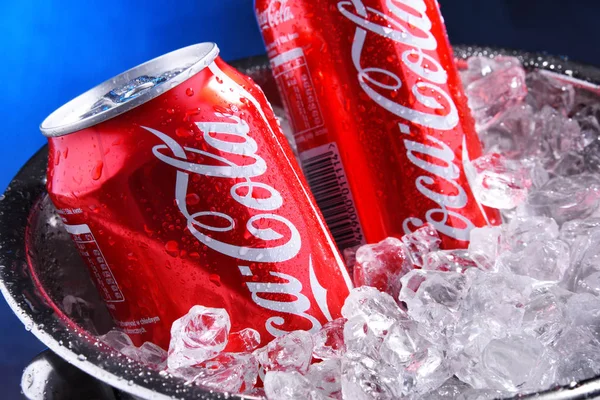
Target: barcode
327, 180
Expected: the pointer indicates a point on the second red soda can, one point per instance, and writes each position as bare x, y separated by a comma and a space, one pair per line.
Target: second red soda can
380, 118
179, 189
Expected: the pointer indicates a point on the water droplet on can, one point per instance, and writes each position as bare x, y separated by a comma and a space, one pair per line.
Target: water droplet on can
192, 199
97, 171
183, 132
215, 279
172, 248
189, 91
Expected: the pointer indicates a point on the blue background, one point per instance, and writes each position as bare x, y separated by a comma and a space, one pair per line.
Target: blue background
51, 51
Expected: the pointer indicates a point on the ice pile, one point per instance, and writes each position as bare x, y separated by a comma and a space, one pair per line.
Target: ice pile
516, 312
540, 138
148, 353
202, 350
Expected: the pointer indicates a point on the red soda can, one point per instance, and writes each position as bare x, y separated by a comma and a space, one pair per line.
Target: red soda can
380, 117
179, 189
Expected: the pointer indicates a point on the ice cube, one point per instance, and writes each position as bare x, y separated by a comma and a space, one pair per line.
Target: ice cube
291, 385
484, 246
420, 242
360, 339
569, 163
421, 364
579, 355
246, 340
495, 303
402, 343
118, 340
574, 338
495, 93
382, 265
290, 352
585, 260
558, 134
590, 284
131, 352
329, 341
576, 228
199, 335
517, 363
450, 390
545, 314
152, 355
446, 289
479, 67
564, 199
230, 372
378, 309
326, 377
545, 90
449, 260
522, 230
542, 260
435, 302
588, 119
364, 378
499, 182
580, 365
511, 134
591, 157
427, 371
584, 309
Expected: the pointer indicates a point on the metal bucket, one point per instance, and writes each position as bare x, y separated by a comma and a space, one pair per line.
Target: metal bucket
47, 285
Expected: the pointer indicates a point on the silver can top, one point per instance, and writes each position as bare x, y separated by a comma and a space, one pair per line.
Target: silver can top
129, 89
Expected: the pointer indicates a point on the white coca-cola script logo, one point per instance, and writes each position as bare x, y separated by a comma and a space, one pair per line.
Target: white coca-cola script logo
274, 15
241, 144
443, 115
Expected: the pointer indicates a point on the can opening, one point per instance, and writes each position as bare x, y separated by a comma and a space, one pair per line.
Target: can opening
129, 89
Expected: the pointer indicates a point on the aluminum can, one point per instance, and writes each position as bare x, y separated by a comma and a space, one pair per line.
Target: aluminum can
380, 118
179, 189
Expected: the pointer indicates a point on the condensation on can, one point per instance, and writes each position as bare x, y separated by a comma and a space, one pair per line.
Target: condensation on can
381, 122
188, 194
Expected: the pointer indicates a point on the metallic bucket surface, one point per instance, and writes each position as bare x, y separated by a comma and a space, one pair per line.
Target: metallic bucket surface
47, 285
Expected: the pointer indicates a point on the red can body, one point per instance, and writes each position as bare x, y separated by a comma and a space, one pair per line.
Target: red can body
380, 117
194, 198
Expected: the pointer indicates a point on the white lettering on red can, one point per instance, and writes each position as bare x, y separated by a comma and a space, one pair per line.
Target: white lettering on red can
246, 146
274, 16
443, 167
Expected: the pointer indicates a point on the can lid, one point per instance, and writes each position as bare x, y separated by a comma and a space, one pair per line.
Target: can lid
129, 89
